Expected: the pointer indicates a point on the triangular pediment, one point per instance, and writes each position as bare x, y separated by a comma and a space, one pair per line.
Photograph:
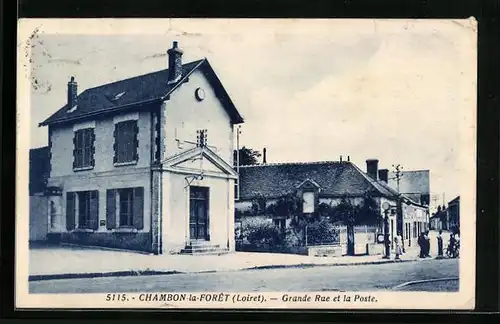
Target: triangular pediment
309, 184
199, 160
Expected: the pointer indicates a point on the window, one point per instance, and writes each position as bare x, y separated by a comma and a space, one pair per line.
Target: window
280, 223
125, 208
236, 190
83, 148
126, 142
308, 204
82, 210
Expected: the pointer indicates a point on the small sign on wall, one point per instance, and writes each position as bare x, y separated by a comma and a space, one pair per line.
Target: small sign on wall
102, 222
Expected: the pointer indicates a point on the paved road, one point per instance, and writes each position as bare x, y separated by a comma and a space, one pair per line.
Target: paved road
443, 286
340, 278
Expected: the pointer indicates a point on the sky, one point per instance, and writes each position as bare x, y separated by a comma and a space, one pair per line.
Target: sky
398, 91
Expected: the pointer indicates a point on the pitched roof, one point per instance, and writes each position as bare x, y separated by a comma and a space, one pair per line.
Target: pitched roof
336, 179
39, 169
143, 89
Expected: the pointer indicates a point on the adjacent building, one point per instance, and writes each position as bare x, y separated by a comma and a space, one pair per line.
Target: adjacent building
39, 166
329, 182
453, 212
145, 163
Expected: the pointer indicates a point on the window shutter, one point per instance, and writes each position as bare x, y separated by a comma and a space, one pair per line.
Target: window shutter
111, 209
138, 208
136, 140
115, 144
75, 154
70, 210
94, 210
92, 147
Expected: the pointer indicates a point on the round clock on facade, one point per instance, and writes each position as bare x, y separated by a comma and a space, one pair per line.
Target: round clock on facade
199, 94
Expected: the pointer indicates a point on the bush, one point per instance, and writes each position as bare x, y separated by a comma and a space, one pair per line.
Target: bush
322, 232
262, 234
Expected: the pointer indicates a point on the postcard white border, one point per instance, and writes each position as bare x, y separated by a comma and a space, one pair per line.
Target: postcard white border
464, 299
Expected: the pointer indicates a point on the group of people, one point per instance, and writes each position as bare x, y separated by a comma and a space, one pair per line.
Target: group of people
424, 243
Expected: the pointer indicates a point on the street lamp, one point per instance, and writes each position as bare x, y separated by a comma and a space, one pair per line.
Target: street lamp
386, 207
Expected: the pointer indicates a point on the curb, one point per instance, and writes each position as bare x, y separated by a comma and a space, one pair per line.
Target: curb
90, 275
311, 265
132, 273
409, 283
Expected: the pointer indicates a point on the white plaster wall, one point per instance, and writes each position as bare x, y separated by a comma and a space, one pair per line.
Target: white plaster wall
185, 115
176, 211
102, 181
62, 147
337, 201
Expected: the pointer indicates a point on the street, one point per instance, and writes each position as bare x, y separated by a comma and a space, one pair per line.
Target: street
336, 278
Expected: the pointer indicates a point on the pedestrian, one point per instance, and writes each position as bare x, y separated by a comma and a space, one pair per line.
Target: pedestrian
398, 241
451, 245
421, 244
440, 244
427, 245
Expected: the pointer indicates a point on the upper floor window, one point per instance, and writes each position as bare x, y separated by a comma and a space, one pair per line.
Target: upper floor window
84, 148
126, 142
308, 205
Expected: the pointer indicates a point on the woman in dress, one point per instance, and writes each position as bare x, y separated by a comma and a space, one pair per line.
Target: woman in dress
399, 249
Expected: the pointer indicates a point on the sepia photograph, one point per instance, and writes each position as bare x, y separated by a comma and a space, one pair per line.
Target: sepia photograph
246, 163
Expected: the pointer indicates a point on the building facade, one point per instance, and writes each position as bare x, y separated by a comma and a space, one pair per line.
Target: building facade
39, 207
330, 183
453, 212
145, 163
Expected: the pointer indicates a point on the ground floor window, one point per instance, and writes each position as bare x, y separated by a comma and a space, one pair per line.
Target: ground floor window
82, 210
280, 224
125, 208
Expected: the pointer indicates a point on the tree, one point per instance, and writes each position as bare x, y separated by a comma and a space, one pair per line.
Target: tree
248, 156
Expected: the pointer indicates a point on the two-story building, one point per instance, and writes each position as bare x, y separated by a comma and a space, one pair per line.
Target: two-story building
145, 163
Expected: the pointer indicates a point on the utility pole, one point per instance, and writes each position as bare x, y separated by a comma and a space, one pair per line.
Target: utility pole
398, 174
399, 208
238, 132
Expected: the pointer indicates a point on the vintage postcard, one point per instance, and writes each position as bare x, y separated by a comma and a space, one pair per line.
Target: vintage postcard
246, 163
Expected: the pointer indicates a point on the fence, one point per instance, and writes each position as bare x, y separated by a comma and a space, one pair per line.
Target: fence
337, 235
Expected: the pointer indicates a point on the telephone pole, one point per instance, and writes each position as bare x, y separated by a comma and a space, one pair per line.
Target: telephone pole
238, 132
398, 174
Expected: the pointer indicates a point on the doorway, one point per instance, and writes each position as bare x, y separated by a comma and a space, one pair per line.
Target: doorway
198, 213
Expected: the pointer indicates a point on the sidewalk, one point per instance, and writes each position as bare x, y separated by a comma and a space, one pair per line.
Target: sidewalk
76, 262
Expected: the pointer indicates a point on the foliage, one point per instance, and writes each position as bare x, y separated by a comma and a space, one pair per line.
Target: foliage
322, 231
369, 213
248, 156
262, 234
259, 202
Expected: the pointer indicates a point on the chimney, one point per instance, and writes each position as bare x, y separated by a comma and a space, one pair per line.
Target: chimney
72, 93
174, 63
348, 158
372, 168
264, 157
341, 158
383, 175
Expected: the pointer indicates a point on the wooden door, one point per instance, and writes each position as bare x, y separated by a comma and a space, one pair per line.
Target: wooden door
198, 213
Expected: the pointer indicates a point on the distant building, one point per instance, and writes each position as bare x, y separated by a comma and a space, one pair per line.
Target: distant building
454, 214
413, 184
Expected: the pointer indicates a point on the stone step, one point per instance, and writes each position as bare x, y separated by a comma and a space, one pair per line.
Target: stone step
203, 250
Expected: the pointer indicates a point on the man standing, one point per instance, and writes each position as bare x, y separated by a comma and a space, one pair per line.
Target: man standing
440, 244
427, 244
